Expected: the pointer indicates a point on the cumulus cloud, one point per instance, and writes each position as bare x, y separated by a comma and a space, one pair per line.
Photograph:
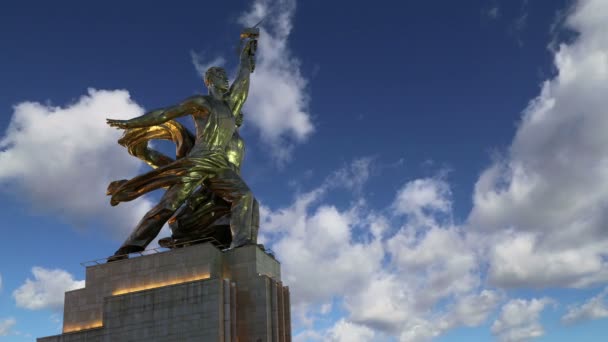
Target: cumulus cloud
61, 159
6, 325
546, 202
423, 196
325, 237
518, 258
440, 256
278, 103
595, 308
430, 261
389, 272
344, 331
472, 310
519, 320
308, 233
46, 290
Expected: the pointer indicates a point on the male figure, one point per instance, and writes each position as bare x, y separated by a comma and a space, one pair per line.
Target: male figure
204, 214
207, 162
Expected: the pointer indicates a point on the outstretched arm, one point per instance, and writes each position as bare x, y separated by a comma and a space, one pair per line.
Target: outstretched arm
193, 105
239, 90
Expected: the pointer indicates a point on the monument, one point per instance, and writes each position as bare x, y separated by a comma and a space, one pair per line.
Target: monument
211, 281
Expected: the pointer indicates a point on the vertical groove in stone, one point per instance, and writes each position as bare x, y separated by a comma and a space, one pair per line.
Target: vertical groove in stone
287, 305
275, 312
268, 311
281, 311
227, 312
233, 309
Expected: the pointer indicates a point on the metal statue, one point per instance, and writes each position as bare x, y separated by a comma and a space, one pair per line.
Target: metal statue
203, 184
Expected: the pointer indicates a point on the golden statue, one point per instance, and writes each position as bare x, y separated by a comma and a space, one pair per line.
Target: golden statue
203, 183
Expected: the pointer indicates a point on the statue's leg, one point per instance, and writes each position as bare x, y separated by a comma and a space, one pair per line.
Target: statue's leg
150, 225
230, 186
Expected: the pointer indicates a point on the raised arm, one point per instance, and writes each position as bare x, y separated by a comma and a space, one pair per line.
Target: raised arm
239, 90
193, 105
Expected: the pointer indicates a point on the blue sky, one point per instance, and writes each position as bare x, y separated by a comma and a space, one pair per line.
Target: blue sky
427, 171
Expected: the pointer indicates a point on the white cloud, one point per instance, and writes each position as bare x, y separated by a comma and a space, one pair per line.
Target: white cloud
278, 100
595, 308
344, 331
6, 325
325, 238
389, 281
201, 64
422, 196
472, 310
61, 159
443, 262
352, 176
307, 336
519, 320
46, 290
517, 259
550, 193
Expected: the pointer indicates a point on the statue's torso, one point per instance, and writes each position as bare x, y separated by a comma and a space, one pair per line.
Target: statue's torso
213, 132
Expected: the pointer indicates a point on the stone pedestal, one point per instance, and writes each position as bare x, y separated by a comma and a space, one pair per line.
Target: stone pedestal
195, 293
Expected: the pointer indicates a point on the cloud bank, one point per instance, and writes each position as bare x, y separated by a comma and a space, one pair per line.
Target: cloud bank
537, 220
546, 202
413, 275
46, 290
519, 320
61, 159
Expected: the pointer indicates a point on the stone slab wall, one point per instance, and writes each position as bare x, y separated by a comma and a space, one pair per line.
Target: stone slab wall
160, 297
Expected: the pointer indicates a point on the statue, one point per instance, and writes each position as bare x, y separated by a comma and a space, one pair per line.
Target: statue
203, 185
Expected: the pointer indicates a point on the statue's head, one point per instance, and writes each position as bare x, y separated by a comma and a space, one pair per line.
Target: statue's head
216, 78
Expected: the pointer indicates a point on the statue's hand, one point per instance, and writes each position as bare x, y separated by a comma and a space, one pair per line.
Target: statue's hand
123, 124
252, 46
249, 53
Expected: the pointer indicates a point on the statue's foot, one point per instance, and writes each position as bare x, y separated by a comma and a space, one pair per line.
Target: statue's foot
171, 242
117, 257
167, 242
241, 244
123, 253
